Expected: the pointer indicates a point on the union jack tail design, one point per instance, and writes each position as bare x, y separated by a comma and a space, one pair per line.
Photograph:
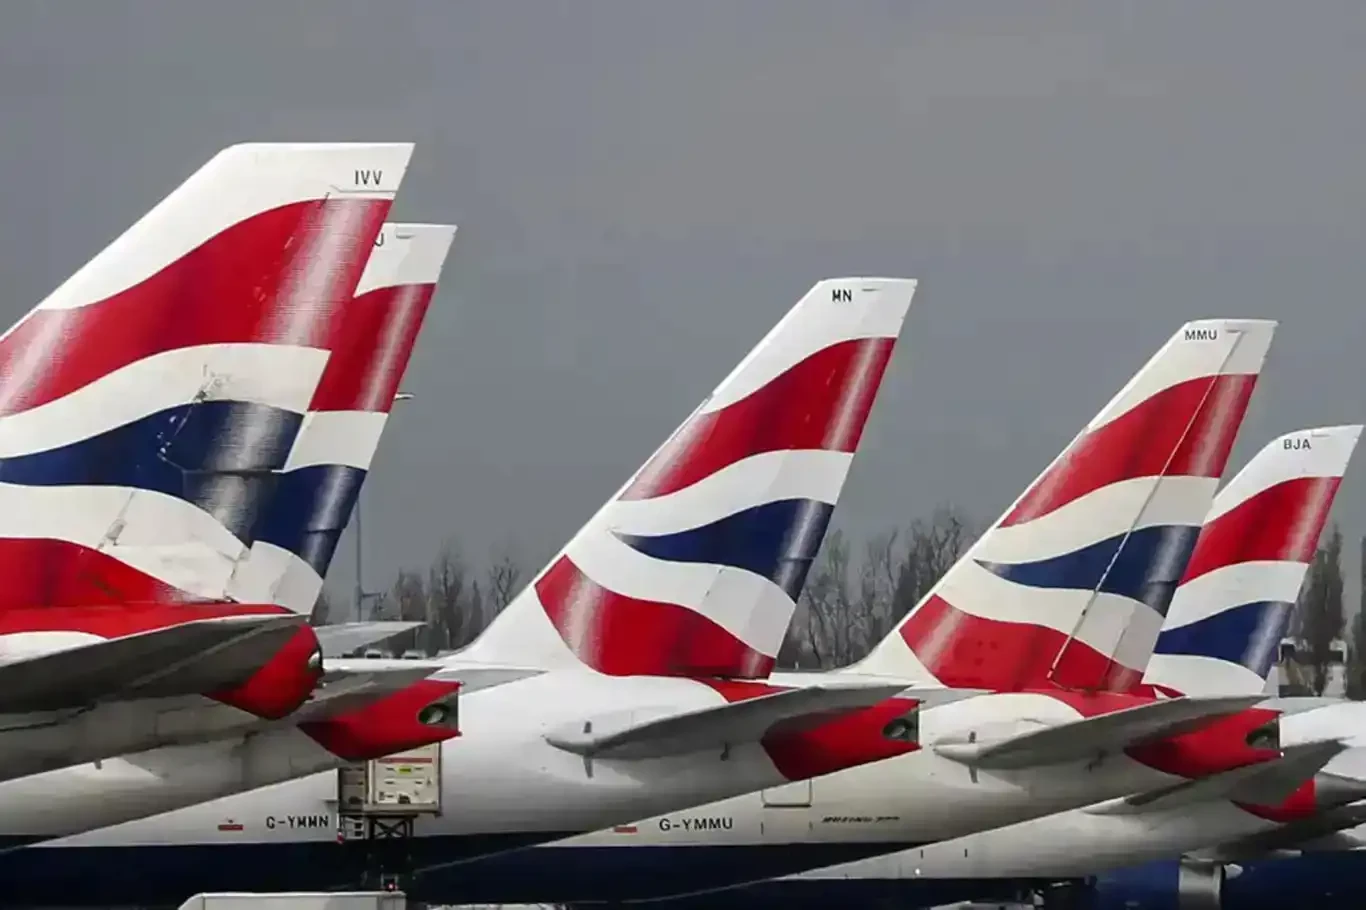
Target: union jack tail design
1234, 604
694, 567
371, 342
147, 403
1064, 589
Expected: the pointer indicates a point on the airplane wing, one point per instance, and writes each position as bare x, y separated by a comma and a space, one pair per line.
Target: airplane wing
628, 737
191, 657
1267, 783
1092, 736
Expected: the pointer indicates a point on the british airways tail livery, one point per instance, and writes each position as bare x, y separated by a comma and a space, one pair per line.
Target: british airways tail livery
1037, 752
986, 759
694, 567
1065, 588
203, 324
604, 723
143, 408
1220, 637
1234, 605
296, 536
361, 709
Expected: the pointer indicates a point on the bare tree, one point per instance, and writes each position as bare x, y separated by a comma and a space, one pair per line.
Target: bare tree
453, 612
884, 558
934, 545
409, 595
844, 612
1319, 617
824, 624
1356, 659
503, 581
1356, 653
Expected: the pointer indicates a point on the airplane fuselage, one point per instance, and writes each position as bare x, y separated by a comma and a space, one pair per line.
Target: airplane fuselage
505, 787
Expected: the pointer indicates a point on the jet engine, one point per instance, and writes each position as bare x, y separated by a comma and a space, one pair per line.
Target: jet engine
1181, 885
1199, 885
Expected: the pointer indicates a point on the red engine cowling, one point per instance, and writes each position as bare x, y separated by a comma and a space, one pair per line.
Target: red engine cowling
1248, 737
284, 683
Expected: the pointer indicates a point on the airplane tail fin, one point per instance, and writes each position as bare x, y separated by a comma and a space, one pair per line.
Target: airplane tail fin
1097, 543
373, 338
694, 567
1234, 603
147, 402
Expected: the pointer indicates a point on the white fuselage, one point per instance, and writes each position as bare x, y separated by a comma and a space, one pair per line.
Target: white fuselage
1089, 840
504, 787
502, 773
916, 798
116, 790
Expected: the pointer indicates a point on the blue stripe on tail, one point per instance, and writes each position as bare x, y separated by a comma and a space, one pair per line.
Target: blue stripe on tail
218, 455
1147, 566
776, 540
309, 511
1247, 634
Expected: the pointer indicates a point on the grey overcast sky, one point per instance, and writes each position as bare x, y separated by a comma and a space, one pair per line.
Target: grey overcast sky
644, 187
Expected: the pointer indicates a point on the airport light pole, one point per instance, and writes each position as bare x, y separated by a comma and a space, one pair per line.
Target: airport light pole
360, 593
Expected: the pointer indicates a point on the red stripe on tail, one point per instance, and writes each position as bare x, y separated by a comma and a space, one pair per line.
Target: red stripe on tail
624, 636
821, 403
1280, 524
1149, 440
237, 277
350, 381
963, 651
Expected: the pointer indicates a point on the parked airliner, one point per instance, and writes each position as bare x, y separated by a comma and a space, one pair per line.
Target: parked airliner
1064, 594
1220, 636
365, 714
1135, 485
642, 644
145, 404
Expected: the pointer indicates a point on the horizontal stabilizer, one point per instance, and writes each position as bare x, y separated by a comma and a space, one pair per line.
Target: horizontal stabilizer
343, 638
188, 658
1323, 831
350, 685
471, 679
929, 696
346, 691
1266, 783
1287, 705
1091, 736
1336, 842
627, 736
